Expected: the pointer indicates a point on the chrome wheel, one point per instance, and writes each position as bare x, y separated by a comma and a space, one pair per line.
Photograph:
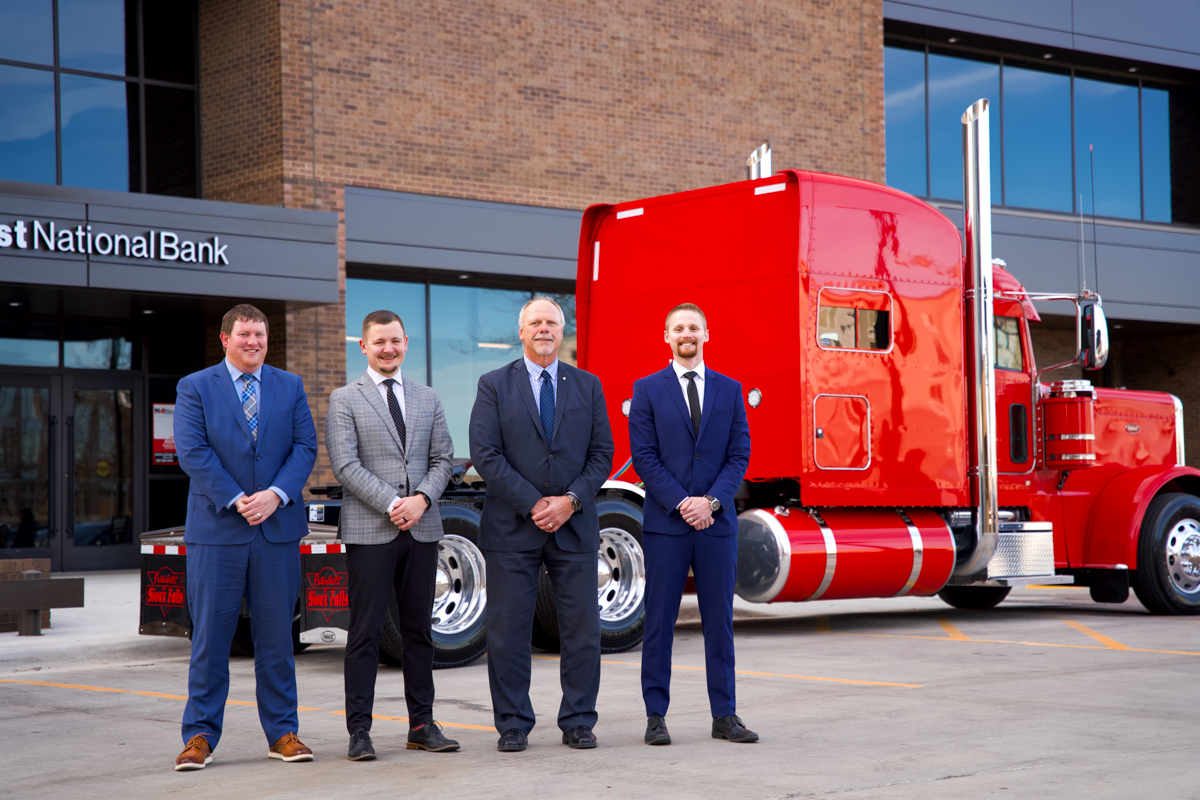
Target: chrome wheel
1182, 552
620, 574
460, 586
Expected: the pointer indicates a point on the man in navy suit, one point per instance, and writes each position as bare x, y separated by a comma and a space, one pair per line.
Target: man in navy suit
540, 438
691, 446
245, 437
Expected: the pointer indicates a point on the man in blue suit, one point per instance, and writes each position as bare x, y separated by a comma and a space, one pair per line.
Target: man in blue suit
540, 438
691, 446
245, 437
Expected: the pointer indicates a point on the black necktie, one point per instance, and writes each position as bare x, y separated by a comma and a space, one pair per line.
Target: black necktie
397, 417
693, 401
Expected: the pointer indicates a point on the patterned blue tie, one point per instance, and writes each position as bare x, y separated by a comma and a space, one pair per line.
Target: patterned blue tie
250, 405
547, 409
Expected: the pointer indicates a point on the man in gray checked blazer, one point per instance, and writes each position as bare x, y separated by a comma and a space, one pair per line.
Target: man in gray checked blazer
390, 449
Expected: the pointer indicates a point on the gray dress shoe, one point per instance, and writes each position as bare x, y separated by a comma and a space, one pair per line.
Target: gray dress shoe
361, 748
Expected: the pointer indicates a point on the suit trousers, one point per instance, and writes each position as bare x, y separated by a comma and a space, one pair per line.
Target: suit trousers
268, 574
512, 580
713, 561
409, 567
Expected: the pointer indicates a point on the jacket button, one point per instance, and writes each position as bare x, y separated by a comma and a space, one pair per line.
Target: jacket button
697, 458
258, 458
547, 484
551, 458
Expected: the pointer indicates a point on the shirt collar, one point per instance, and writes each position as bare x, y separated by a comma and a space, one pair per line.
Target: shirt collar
680, 369
236, 374
536, 370
375, 376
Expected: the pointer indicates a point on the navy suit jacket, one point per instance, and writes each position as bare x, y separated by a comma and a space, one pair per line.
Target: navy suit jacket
674, 463
510, 452
217, 452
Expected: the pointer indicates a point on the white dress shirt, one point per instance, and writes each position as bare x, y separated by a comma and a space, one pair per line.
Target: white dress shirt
398, 390
680, 371
238, 385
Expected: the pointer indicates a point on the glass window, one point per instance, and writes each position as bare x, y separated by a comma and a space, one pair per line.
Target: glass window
27, 125
1106, 120
98, 354
954, 84
904, 114
92, 36
169, 41
95, 135
28, 31
1008, 344
836, 327
170, 141
474, 331
405, 299
29, 344
103, 467
1037, 139
24, 466
569, 352
1156, 154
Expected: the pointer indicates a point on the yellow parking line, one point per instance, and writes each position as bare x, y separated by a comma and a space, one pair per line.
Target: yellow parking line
763, 674
1025, 644
1111, 644
822, 624
952, 631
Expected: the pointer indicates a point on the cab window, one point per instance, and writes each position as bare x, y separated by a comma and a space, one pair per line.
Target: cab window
1008, 344
854, 320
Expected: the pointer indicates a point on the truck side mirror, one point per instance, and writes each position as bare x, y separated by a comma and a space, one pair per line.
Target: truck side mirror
1093, 349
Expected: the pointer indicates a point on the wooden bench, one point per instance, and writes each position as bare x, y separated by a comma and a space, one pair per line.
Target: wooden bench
34, 593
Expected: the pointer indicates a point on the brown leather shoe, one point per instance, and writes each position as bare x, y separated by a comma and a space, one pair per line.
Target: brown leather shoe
290, 748
197, 754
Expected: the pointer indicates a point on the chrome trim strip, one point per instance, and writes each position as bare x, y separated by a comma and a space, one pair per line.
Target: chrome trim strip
830, 555
596, 262
1180, 446
1070, 437
774, 187
1073, 456
891, 320
630, 212
918, 554
870, 454
784, 545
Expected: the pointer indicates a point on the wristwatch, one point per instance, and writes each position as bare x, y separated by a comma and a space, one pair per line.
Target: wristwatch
425, 497
576, 503
714, 505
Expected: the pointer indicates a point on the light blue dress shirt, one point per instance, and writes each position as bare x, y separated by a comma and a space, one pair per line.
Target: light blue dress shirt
236, 375
535, 379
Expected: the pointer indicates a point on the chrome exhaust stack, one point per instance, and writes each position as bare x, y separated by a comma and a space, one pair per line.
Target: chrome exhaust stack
977, 208
758, 165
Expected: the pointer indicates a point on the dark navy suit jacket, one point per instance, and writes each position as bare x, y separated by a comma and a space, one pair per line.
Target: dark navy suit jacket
674, 463
217, 452
510, 452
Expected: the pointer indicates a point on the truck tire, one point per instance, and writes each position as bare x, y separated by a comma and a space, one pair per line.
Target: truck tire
974, 597
1167, 579
621, 583
243, 639
460, 595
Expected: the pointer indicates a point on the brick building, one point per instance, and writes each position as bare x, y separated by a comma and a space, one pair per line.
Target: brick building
435, 158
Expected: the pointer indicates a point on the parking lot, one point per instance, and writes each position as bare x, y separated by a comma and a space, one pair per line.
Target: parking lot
1049, 695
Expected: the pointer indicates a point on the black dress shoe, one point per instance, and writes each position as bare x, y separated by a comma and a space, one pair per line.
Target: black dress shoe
656, 730
732, 728
360, 746
580, 738
512, 741
429, 737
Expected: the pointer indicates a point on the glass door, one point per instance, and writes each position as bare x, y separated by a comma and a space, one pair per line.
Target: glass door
30, 410
105, 472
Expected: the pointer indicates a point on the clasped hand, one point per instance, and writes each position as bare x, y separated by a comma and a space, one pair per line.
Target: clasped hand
408, 512
258, 506
550, 513
697, 512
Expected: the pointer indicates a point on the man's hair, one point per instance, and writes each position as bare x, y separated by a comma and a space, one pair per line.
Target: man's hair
382, 317
686, 307
562, 318
243, 312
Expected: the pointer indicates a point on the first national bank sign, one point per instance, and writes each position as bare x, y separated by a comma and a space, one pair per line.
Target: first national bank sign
154, 246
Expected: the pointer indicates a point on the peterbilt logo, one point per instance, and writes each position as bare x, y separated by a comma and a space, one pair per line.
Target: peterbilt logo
1133, 427
328, 636
327, 592
166, 589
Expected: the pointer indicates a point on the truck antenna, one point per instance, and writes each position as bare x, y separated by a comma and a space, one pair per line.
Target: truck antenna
1082, 256
1095, 251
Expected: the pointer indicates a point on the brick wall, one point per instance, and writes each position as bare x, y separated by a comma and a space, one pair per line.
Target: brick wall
542, 102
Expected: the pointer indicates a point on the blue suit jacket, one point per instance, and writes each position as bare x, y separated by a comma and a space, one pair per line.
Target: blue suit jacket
510, 452
218, 453
674, 463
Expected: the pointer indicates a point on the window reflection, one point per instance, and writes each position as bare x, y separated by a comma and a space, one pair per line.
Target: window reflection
27, 125
405, 299
1037, 139
954, 84
98, 354
29, 344
1106, 118
904, 112
102, 434
24, 466
95, 135
27, 33
1008, 344
1156, 154
91, 36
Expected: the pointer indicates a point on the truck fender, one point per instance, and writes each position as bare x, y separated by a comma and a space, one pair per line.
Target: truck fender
1116, 520
631, 492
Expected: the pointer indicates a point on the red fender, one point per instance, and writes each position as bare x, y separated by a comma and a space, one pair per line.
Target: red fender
1117, 516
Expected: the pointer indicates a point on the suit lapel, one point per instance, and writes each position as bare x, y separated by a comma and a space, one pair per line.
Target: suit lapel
712, 391
564, 391
266, 396
226, 389
371, 392
676, 393
521, 376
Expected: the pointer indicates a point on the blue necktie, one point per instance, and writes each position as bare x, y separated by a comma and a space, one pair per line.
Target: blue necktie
250, 405
547, 408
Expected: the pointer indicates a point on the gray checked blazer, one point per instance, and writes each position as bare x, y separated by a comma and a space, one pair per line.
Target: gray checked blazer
368, 461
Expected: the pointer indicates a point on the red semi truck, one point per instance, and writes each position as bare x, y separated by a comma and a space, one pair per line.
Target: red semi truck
903, 440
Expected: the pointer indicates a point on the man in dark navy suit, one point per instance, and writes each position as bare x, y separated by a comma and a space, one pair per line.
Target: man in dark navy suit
540, 438
691, 446
245, 437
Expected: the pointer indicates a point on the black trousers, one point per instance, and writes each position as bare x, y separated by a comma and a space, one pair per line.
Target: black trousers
410, 567
512, 595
